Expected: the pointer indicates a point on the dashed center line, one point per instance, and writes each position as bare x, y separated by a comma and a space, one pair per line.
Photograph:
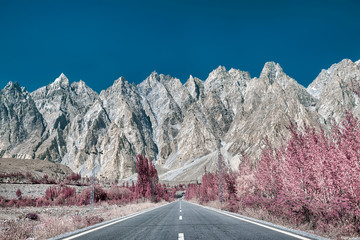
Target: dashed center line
180, 210
181, 236
180, 217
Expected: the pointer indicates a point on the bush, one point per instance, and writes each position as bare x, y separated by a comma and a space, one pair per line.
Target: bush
84, 197
42, 202
11, 203
117, 193
32, 216
91, 220
232, 206
25, 202
18, 193
74, 177
2, 201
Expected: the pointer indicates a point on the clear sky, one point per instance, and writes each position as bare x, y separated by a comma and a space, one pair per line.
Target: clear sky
99, 41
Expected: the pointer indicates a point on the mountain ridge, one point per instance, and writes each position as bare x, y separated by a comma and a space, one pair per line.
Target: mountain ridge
176, 124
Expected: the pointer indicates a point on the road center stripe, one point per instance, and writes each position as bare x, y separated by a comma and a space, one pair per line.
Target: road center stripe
181, 236
180, 217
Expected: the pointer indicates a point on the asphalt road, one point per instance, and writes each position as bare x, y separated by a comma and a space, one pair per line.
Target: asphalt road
182, 220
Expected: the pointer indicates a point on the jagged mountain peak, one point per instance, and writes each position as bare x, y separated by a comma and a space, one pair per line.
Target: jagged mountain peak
193, 79
152, 79
176, 124
271, 71
221, 74
62, 76
220, 69
61, 81
345, 70
121, 81
238, 74
79, 85
12, 85
155, 79
154, 73
121, 87
217, 73
14, 91
195, 87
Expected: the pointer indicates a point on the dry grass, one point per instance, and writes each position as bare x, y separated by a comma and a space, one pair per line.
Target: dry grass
52, 223
332, 232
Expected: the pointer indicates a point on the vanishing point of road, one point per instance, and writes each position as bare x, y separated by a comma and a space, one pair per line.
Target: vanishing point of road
183, 220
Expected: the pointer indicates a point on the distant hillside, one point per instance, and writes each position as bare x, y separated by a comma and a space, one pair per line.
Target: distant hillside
37, 168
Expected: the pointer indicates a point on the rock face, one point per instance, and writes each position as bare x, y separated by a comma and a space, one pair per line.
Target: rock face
60, 104
337, 90
177, 125
22, 126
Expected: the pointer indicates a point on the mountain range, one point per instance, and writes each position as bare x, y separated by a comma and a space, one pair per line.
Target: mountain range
179, 126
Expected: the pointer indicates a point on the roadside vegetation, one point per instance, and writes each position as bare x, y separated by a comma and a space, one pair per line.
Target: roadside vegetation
311, 182
116, 201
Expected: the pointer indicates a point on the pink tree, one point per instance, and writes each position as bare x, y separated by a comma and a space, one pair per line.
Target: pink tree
147, 177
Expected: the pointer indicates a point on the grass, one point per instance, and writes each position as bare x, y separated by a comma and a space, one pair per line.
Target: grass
50, 224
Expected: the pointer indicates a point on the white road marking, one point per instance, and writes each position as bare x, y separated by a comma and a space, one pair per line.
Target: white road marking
180, 217
106, 225
181, 236
256, 223
180, 210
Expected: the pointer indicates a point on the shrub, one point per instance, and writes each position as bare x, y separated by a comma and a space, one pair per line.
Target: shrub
74, 177
42, 202
32, 216
99, 193
18, 193
61, 195
232, 206
117, 193
11, 203
2, 201
91, 220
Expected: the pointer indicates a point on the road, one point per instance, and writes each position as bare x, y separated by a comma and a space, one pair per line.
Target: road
182, 220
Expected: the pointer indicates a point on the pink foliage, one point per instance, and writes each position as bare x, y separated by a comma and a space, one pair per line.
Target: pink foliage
314, 178
147, 185
311, 178
18, 193
119, 193
99, 195
61, 195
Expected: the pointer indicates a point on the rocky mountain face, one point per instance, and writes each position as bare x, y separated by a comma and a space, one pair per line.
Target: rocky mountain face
22, 126
177, 125
337, 90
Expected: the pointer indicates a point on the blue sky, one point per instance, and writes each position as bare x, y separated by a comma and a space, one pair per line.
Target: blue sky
99, 41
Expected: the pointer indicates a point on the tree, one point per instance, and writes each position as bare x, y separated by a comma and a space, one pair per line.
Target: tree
147, 177
18, 193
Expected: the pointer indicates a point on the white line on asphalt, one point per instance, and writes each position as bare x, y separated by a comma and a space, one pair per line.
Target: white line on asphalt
180, 210
259, 224
106, 225
181, 236
180, 217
